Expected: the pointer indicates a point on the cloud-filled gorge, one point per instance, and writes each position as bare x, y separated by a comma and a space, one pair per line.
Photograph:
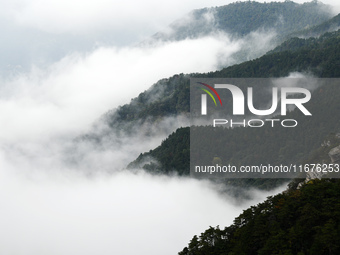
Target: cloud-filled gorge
89, 206
118, 214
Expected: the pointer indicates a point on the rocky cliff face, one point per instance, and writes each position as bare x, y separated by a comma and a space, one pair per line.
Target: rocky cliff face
333, 158
335, 154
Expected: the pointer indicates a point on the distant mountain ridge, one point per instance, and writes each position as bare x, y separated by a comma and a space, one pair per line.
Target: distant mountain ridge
330, 25
241, 18
310, 55
303, 221
321, 58
308, 37
297, 221
170, 97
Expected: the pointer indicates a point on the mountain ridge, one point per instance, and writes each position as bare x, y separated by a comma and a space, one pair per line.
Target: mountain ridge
241, 18
170, 96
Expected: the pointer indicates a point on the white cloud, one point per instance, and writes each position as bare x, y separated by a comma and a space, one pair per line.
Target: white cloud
72, 93
104, 21
120, 214
49, 204
60, 16
83, 16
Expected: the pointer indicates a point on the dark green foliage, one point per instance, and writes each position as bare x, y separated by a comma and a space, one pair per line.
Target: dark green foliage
294, 44
251, 146
173, 155
273, 145
327, 26
241, 18
276, 145
171, 96
244, 17
304, 221
165, 98
322, 58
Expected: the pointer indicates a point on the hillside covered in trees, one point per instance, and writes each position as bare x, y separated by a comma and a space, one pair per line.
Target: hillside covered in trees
298, 221
317, 56
170, 96
242, 18
321, 58
304, 219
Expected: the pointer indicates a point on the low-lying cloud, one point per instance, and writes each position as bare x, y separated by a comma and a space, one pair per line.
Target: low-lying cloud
129, 18
79, 17
124, 213
59, 196
70, 94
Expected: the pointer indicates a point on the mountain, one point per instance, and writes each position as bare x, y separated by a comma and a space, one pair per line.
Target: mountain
305, 218
238, 19
321, 58
170, 96
298, 43
241, 18
302, 221
173, 153
330, 25
165, 98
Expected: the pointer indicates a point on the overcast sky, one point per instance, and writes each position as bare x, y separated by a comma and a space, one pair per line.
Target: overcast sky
129, 18
40, 32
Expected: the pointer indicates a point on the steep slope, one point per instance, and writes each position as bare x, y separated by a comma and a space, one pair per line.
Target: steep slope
170, 96
330, 25
295, 43
251, 146
321, 58
304, 221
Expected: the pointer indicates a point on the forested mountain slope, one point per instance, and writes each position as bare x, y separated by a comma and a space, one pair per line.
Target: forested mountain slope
298, 221
170, 96
322, 58
303, 221
330, 25
241, 18
318, 56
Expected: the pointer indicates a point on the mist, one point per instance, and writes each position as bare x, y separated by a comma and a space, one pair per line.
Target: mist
40, 33
60, 195
124, 213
